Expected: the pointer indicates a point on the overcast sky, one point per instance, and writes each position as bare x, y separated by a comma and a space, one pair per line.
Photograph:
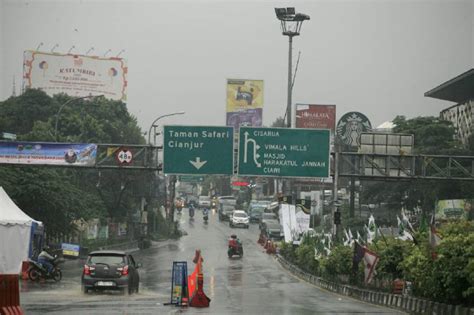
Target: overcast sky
376, 57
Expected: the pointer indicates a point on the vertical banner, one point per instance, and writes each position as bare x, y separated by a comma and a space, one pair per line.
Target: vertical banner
179, 282
316, 116
244, 103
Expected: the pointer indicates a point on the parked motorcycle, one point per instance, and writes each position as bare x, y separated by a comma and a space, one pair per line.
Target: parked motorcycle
235, 247
37, 271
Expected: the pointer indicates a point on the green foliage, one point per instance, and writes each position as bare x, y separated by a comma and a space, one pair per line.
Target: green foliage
392, 252
449, 277
338, 263
57, 196
305, 258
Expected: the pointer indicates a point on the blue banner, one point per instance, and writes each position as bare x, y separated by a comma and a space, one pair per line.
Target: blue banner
49, 153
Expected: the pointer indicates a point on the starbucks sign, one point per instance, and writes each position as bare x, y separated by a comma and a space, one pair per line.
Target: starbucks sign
350, 127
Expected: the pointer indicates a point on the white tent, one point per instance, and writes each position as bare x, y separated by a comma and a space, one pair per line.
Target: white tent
15, 235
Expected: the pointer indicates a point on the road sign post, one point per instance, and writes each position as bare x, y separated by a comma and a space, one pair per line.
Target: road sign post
280, 152
198, 150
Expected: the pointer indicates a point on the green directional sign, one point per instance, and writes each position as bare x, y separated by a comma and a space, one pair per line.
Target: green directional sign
280, 152
198, 150
191, 179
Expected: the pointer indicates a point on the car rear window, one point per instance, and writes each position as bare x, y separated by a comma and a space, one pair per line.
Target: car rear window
107, 259
269, 216
240, 215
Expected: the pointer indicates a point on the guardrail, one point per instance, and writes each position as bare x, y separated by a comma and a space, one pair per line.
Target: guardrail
405, 303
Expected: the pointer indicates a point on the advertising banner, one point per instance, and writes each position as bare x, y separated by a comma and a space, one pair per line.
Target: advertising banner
454, 209
37, 153
179, 282
75, 75
70, 249
246, 118
316, 116
244, 94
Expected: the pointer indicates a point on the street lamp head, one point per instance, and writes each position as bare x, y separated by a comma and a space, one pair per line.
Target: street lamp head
291, 21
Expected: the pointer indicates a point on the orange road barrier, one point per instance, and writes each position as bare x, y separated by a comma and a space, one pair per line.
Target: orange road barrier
9, 295
199, 298
271, 249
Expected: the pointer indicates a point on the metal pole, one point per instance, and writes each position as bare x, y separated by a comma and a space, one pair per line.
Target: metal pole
334, 193
153, 123
288, 105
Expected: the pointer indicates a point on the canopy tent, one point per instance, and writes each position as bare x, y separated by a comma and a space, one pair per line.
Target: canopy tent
16, 232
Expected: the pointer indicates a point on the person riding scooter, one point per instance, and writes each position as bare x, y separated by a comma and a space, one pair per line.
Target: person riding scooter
191, 211
46, 259
235, 246
205, 214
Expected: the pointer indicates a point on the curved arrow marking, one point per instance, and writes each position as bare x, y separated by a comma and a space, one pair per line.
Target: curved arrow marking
198, 164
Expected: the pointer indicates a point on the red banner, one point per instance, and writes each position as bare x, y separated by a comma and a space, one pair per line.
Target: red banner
316, 116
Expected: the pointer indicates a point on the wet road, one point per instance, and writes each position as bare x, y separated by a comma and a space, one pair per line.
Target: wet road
255, 284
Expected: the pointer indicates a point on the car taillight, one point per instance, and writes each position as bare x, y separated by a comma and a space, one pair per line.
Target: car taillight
124, 270
87, 270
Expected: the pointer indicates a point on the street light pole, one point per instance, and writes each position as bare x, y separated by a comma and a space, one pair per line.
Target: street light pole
290, 65
291, 23
61, 108
160, 117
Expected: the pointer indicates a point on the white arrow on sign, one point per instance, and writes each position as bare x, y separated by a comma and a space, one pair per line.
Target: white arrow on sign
198, 164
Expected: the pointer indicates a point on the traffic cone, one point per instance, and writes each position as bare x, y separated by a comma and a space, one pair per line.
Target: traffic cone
200, 299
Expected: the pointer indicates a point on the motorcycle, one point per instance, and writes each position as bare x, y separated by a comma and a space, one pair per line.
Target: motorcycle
37, 271
235, 247
205, 215
191, 212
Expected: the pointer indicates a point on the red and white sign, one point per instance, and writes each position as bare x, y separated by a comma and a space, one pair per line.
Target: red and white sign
124, 156
240, 184
75, 75
316, 116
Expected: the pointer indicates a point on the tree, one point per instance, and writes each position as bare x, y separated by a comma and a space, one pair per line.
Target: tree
59, 195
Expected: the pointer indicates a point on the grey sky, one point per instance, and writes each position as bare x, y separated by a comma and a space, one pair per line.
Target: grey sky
376, 57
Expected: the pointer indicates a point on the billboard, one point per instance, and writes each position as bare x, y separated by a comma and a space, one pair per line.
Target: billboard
245, 118
244, 105
316, 116
244, 94
454, 209
37, 153
75, 75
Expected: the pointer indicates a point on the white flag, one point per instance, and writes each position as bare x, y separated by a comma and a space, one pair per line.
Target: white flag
403, 234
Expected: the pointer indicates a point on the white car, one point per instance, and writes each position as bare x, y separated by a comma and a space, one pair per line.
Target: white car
239, 218
204, 202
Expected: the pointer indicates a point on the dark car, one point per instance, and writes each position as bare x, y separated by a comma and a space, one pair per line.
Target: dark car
267, 217
255, 213
110, 270
273, 230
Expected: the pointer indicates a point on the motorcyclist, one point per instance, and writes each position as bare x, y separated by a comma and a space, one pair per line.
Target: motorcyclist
46, 259
191, 210
234, 241
205, 212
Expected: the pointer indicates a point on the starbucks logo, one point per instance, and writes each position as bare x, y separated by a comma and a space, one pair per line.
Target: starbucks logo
350, 127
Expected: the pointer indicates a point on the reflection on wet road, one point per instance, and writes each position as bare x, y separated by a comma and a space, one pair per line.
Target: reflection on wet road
253, 284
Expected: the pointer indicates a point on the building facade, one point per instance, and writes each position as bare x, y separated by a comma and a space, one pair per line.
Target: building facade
461, 91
